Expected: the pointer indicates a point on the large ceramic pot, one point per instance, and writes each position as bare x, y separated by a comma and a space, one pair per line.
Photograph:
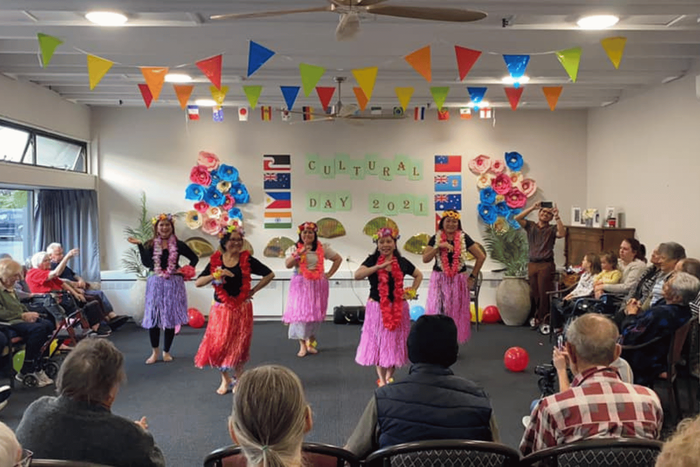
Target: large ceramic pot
513, 300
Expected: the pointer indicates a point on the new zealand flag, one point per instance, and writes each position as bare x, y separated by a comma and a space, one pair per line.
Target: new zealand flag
277, 181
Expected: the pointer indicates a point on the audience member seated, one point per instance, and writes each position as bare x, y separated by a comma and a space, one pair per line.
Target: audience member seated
89, 291
270, 417
692, 267
598, 404
682, 449
609, 273
631, 264
24, 323
670, 253
564, 307
641, 327
431, 402
10, 449
79, 425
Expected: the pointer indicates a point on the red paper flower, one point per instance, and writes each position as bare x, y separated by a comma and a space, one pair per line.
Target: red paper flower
529, 187
497, 166
480, 164
200, 175
201, 207
187, 272
516, 199
229, 202
211, 226
208, 160
501, 184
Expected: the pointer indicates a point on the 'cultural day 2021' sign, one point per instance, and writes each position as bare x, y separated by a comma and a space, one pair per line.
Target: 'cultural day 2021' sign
370, 165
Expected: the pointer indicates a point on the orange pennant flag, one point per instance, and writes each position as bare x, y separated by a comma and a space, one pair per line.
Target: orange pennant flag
420, 61
97, 69
361, 98
183, 92
211, 67
614, 47
146, 94
155, 77
513, 95
552, 94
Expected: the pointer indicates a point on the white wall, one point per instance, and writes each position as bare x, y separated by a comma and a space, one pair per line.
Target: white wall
643, 157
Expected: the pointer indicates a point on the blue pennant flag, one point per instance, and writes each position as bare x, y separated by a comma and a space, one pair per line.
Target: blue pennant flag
516, 66
257, 56
290, 95
477, 94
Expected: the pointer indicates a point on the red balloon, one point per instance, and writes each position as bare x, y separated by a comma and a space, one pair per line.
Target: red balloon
195, 318
491, 314
516, 359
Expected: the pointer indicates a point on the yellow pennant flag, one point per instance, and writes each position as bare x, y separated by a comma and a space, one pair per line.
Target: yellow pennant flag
183, 93
218, 94
570, 59
614, 47
552, 94
366, 77
404, 95
97, 68
155, 77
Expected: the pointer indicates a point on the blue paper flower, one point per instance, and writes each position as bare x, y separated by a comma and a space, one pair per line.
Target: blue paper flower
194, 192
514, 161
502, 209
487, 195
214, 197
239, 193
235, 213
487, 212
511, 218
227, 173
215, 178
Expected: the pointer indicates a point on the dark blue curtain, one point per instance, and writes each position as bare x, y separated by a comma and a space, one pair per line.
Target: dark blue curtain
70, 218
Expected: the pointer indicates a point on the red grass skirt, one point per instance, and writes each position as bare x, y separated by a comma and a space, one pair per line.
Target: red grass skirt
226, 341
450, 296
380, 346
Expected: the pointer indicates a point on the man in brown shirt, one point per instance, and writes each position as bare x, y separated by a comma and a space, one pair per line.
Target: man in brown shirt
541, 236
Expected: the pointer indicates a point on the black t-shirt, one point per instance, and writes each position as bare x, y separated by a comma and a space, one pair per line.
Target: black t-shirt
232, 285
406, 267
182, 250
436, 266
67, 273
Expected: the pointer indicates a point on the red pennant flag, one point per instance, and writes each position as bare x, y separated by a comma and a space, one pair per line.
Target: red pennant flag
211, 67
466, 58
146, 94
513, 95
325, 94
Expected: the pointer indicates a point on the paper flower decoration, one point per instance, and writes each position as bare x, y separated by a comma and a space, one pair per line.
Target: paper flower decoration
487, 212
201, 207
502, 209
497, 166
229, 202
487, 195
501, 225
480, 164
208, 160
194, 192
200, 175
484, 181
501, 184
514, 161
211, 226
214, 197
516, 178
224, 219
213, 213
227, 173
223, 186
528, 186
193, 220
240, 193
235, 213
516, 198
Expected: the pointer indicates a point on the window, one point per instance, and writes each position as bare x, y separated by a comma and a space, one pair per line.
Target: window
14, 144
59, 154
16, 207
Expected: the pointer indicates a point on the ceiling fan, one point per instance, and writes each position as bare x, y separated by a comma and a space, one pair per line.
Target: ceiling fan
350, 11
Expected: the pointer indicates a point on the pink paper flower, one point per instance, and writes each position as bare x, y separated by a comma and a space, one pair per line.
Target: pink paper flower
200, 175
501, 184
201, 207
516, 199
528, 186
483, 181
516, 178
224, 219
229, 202
211, 226
480, 164
214, 213
497, 166
208, 160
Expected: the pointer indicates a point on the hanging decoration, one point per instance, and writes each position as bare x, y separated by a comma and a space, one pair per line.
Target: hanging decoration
420, 61
97, 68
183, 93
614, 47
366, 78
211, 67
439, 95
466, 58
477, 95
570, 59
218, 94
155, 77
361, 98
47, 46
257, 57
404, 95
253, 94
552, 94
325, 94
517, 64
290, 94
146, 94
513, 94
310, 76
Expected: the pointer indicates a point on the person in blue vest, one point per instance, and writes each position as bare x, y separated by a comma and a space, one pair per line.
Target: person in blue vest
431, 402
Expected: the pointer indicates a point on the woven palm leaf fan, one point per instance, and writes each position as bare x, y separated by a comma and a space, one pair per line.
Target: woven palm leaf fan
277, 246
201, 246
330, 228
373, 226
417, 243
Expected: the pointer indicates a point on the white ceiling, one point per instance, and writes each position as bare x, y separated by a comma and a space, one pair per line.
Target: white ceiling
663, 41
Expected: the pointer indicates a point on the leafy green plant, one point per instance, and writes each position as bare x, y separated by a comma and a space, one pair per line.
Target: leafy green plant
509, 248
131, 260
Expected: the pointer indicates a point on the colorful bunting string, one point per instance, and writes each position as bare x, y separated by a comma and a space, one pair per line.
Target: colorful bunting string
211, 67
361, 98
420, 61
97, 68
404, 95
257, 57
614, 47
366, 77
325, 94
466, 58
570, 59
513, 94
310, 76
290, 94
552, 94
253, 94
439, 95
155, 77
146, 94
183, 93
47, 46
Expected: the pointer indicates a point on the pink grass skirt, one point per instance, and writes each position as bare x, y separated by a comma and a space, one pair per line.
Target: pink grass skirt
380, 346
226, 341
450, 296
307, 301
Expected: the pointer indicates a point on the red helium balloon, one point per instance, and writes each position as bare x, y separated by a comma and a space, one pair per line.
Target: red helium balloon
491, 314
516, 359
195, 318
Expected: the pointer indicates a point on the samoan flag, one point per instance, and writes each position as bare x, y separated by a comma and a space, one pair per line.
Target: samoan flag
277, 181
277, 162
448, 182
445, 202
448, 163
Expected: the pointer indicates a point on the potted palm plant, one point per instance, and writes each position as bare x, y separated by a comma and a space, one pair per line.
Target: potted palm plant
131, 260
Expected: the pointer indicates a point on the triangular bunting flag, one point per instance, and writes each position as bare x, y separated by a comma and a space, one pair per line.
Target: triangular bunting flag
570, 59
325, 94
614, 47
290, 94
466, 58
366, 77
97, 68
253, 94
47, 46
155, 77
146, 94
517, 64
420, 61
218, 94
513, 95
552, 94
439, 95
361, 98
310, 76
477, 94
183, 93
211, 67
257, 56
404, 95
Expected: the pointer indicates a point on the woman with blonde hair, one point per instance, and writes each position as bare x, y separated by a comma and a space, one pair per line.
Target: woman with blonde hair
682, 449
270, 417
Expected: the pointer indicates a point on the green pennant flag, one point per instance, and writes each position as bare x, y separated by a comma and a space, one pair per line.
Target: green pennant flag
47, 45
439, 95
570, 59
310, 76
253, 94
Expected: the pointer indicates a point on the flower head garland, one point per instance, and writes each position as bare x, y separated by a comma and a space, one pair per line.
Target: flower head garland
307, 226
214, 185
235, 226
162, 217
451, 213
386, 232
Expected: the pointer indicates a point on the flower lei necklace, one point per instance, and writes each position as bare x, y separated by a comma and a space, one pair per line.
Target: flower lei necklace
172, 256
451, 269
304, 267
391, 310
216, 263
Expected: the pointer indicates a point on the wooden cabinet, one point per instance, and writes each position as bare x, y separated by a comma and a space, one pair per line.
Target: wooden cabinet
582, 240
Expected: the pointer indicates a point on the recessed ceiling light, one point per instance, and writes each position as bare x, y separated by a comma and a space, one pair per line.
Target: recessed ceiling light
106, 18
482, 104
597, 21
177, 78
205, 102
510, 80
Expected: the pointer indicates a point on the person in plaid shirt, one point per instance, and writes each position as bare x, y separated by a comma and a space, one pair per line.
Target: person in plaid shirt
598, 404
